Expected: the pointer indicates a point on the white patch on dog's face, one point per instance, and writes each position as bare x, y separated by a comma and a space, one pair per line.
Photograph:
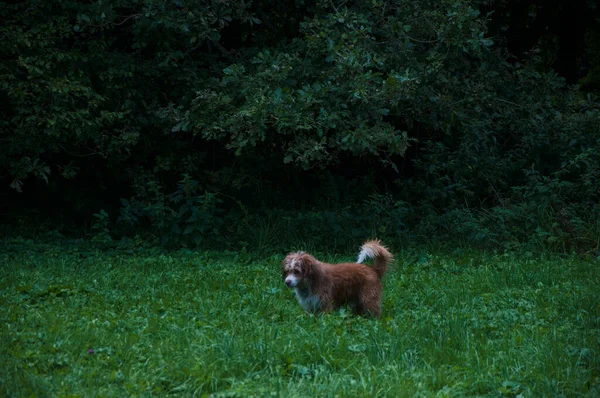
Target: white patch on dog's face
292, 281
293, 270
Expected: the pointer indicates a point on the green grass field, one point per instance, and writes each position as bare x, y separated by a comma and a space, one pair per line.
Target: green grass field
83, 323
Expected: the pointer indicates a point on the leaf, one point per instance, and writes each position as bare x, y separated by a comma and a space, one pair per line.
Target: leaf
177, 127
357, 348
17, 185
302, 370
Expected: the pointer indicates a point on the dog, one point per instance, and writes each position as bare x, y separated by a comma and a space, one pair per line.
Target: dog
322, 287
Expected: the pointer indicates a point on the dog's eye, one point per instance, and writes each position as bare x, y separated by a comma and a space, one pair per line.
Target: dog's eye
296, 272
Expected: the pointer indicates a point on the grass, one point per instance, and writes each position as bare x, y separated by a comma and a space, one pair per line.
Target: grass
85, 323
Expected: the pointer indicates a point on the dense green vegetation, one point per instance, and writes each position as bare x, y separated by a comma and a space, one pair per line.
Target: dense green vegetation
198, 122
160, 157
78, 322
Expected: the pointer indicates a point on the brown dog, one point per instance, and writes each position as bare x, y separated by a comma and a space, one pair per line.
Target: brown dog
321, 287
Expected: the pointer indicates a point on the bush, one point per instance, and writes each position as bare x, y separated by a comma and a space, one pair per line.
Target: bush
334, 120
183, 217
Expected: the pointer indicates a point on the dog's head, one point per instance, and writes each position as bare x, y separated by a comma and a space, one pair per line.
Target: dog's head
297, 269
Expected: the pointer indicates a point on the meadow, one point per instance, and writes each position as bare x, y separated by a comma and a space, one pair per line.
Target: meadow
84, 322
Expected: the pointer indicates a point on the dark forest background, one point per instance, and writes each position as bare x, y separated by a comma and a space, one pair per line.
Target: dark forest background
264, 123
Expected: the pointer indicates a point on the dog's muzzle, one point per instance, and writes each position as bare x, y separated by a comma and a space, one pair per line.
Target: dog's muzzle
291, 281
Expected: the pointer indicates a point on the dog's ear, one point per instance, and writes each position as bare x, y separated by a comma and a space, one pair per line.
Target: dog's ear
307, 267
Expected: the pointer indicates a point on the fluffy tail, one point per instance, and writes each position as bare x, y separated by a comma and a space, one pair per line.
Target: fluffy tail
380, 255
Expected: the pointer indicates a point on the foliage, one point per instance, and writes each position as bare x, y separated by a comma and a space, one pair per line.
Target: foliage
82, 322
92, 80
295, 115
101, 228
185, 216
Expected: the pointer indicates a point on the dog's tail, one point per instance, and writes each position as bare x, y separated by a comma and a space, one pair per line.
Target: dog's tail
379, 253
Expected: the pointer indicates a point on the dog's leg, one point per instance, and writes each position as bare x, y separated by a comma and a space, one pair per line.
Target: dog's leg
326, 304
369, 303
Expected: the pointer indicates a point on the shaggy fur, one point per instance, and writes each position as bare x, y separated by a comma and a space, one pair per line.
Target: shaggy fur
322, 287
